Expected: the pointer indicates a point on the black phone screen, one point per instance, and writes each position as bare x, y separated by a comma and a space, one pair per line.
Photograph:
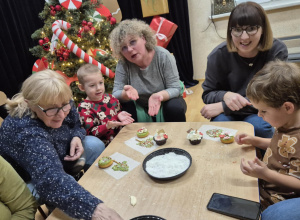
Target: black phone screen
234, 207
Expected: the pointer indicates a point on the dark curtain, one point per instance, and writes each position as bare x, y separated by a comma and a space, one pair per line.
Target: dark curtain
180, 44
19, 19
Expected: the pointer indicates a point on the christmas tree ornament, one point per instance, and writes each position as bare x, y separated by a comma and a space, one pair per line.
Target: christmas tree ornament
56, 28
71, 4
83, 23
103, 11
96, 52
39, 65
41, 42
46, 40
57, 7
52, 12
114, 8
97, 17
86, 29
113, 21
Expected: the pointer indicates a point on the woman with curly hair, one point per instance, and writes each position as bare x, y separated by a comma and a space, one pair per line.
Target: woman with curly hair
147, 80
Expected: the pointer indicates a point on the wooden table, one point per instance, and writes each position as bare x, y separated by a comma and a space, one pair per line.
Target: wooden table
215, 168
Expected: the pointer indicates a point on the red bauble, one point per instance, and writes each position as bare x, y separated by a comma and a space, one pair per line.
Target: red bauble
113, 21
41, 42
86, 29
46, 40
58, 8
61, 59
52, 12
93, 30
51, 7
84, 23
66, 55
109, 17
90, 24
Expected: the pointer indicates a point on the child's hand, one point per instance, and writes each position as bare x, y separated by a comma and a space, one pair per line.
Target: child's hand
255, 168
154, 104
243, 139
131, 92
125, 118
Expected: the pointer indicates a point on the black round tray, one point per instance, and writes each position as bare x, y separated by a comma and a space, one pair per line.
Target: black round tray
165, 151
147, 217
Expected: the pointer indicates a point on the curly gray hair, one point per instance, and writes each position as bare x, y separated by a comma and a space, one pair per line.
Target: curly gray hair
131, 27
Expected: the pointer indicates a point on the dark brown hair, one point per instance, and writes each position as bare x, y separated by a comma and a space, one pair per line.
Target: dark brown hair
250, 13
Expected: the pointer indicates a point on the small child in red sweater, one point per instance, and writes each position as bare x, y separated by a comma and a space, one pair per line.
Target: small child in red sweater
100, 113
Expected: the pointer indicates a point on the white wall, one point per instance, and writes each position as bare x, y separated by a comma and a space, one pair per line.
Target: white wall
285, 22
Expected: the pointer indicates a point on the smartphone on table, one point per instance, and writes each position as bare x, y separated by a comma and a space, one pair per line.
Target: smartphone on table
234, 207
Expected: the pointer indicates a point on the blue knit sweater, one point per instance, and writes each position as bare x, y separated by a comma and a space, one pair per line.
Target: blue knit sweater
40, 150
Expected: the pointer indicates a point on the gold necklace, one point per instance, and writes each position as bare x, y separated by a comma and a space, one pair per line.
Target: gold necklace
246, 60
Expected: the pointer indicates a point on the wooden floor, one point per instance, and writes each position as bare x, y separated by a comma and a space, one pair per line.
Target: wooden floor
194, 104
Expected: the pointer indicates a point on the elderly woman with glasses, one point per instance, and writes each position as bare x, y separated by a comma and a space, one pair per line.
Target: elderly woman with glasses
232, 64
41, 134
147, 80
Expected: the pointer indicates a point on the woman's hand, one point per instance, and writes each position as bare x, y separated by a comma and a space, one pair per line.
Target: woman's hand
235, 101
154, 104
76, 149
102, 212
255, 168
212, 110
131, 92
125, 118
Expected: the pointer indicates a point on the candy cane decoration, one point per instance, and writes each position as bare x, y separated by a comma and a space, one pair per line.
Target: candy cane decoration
56, 28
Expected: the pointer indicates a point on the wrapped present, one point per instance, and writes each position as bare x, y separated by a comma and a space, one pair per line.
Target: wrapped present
154, 7
165, 30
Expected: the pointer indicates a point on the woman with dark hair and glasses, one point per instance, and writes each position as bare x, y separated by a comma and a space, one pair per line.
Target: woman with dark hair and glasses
41, 134
232, 64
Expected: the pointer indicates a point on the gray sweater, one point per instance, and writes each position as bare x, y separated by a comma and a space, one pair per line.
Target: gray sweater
228, 71
161, 74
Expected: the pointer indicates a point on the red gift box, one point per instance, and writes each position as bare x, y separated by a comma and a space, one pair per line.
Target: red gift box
165, 30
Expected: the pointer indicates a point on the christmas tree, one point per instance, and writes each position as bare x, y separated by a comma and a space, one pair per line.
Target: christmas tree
72, 23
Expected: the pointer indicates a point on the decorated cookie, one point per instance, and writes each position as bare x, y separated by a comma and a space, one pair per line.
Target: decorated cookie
160, 137
121, 166
105, 162
226, 138
145, 143
143, 132
194, 136
214, 133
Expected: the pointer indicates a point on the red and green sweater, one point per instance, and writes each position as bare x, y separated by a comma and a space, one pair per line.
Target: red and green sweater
94, 116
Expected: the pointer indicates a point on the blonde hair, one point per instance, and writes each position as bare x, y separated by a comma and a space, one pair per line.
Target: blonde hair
276, 83
42, 88
250, 13
127, 28
85, 70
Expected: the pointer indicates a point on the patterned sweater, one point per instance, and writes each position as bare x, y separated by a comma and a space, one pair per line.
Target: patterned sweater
283, 156
40, 150
95, 115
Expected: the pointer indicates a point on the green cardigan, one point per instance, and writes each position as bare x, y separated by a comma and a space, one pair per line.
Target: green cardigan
16, 201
